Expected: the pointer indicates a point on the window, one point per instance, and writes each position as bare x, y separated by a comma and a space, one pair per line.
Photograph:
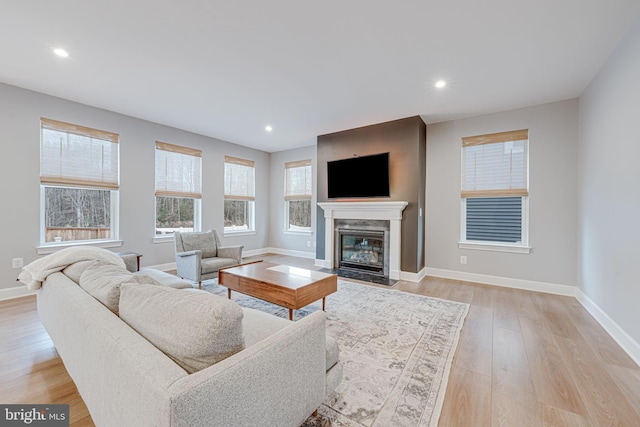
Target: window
297, 196
495, 191
239, 195
178, 188
79, 181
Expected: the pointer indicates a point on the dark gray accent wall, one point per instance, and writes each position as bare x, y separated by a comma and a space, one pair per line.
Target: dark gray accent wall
405, 141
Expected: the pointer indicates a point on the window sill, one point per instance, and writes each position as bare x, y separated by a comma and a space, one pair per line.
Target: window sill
49, 249
495, 247
298, 232
166, 238
239, 233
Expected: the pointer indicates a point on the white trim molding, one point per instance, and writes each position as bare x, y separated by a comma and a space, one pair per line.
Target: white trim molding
390, 211
528, 285
15, 292
628, 344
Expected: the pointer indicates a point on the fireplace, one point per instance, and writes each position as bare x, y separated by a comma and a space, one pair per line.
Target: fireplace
385, 216
362, 250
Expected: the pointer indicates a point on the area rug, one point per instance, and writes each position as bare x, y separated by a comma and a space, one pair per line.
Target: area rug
396, 349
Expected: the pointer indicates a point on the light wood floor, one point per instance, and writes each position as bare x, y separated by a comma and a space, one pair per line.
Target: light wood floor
524, 359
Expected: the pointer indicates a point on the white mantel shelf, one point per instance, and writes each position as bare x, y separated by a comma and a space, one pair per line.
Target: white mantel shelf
389, 211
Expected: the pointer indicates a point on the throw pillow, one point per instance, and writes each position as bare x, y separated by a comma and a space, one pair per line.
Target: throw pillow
204, 242
102, 281
194, 328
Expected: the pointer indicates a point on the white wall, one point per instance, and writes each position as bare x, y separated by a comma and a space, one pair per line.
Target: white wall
609, 187
553, 145
282, 241
20, 112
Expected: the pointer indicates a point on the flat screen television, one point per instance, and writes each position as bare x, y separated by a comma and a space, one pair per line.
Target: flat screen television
366, 176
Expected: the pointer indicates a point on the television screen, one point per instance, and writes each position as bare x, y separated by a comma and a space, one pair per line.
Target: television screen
366, 176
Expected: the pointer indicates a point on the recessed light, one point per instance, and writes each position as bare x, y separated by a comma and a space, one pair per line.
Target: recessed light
440, 84
61, 52
268, 128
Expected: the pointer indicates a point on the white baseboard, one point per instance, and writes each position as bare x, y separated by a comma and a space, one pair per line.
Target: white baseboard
528, 285
289, 252
15, 292
628, 344
413, 277
322, 263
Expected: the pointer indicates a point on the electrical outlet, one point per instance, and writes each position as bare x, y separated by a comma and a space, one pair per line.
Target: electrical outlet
17, 262
463, 259
308, 243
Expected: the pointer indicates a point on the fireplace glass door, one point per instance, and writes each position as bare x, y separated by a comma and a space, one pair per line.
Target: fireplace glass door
362, 250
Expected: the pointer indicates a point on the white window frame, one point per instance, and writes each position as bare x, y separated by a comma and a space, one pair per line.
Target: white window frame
247, 194
519, 247
60, 178
291, 195
186, 190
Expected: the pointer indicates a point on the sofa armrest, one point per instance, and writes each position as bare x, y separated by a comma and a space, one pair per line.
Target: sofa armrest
278, 381
234, 252
188, 265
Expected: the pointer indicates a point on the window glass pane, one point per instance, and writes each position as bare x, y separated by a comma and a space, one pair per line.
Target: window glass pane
494, 219
77, 214
299, 215
236, 215
174, 214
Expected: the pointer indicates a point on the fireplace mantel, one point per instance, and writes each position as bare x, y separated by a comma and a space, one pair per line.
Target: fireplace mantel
389, 211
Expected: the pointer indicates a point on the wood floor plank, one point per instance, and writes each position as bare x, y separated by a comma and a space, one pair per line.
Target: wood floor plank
556, 417
605, 403
476, 340
505, 310
468, 400
551, 381
513, 399
628, 381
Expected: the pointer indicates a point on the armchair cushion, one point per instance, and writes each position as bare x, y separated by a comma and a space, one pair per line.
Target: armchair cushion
204, 241
214, 264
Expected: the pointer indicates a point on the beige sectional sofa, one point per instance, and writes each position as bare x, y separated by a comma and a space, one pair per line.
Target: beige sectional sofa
276, 373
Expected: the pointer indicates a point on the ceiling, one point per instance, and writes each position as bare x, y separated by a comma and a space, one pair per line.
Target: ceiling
226, 69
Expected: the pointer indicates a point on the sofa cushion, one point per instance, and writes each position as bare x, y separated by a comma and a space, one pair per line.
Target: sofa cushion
75, 270
102, 281
203, 241
157, 277
194, 328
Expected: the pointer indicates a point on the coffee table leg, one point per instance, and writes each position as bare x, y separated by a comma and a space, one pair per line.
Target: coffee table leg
323, 300
290, 314
229, 293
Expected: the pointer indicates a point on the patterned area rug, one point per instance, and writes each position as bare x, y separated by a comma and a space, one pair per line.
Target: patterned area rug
396, 349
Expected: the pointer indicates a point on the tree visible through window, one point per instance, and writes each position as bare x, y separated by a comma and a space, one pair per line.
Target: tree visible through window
178, 188
297, 195
239, 194
79, 182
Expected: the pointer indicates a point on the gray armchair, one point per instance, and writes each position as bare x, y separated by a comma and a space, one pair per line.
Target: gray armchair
200, 255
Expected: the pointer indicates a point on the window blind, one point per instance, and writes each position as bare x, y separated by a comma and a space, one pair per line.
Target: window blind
494, 219
297, 180
239, 179
495, 165
75, 155
178, 171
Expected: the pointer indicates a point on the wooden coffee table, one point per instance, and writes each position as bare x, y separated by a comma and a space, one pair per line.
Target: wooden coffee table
286, 286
